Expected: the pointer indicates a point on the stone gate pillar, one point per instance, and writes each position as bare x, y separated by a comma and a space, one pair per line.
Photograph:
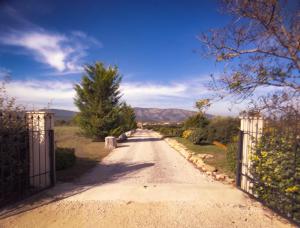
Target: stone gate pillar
252, 128
41, 146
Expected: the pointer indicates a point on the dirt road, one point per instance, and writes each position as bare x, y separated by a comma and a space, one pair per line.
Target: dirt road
143, 183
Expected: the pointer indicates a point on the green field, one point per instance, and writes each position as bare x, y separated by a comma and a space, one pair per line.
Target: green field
88, 153
219, 160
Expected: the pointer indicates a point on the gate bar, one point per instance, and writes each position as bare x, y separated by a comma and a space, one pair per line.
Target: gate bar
239, 159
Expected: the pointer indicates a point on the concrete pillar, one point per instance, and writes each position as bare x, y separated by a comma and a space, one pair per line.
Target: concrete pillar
252, 128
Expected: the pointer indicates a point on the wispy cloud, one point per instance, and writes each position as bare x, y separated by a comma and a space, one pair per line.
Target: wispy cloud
62, 52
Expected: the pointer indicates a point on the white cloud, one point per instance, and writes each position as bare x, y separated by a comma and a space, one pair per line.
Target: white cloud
62, 52
37, 93
58, 51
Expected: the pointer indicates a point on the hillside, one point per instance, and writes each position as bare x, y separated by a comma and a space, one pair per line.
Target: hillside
61, 114
142, 114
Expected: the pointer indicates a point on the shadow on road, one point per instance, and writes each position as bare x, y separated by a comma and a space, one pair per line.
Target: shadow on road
101, 174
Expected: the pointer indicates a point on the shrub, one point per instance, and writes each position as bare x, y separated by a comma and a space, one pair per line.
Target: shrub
186, 134
199, 136
64, 157
223, 129
275, 170
171, 131
177, 132
197, 121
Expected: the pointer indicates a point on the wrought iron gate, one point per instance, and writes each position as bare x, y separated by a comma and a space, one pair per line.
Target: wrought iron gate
26, 155
268, 162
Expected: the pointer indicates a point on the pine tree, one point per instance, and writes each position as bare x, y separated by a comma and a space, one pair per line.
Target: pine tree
97, 99
128, 117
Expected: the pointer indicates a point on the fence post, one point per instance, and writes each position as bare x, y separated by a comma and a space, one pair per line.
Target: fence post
52, 158
239, 159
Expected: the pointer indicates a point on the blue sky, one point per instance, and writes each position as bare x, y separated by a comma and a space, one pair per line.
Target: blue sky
43, 45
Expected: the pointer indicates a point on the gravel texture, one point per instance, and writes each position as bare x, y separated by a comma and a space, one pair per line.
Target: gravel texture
142, 183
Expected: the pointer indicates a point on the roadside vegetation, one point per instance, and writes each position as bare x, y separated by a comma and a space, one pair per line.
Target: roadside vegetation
219, 159
75, 153
216, 136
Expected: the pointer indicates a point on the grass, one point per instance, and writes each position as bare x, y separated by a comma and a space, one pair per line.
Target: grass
88, 153
219, 160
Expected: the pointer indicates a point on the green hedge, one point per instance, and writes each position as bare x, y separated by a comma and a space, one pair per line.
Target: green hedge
199, 136
171, 130
223, 129
64, 157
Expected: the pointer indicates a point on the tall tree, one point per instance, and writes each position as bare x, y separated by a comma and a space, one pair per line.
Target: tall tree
97, 98
260, 48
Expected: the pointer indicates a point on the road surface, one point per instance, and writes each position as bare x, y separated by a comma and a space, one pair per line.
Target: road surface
143, 183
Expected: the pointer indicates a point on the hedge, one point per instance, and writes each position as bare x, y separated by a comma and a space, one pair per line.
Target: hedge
223, 129
64, 157
199, 136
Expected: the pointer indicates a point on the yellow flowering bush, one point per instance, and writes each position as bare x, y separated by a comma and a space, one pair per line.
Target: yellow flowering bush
186, 134
276, 169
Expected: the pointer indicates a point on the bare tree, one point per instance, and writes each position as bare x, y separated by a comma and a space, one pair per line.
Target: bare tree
260, 48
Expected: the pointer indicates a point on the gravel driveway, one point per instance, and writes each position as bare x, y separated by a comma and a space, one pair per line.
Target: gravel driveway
143, 183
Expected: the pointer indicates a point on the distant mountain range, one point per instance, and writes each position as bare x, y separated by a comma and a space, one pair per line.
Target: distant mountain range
162, 115
61, 114
142, 114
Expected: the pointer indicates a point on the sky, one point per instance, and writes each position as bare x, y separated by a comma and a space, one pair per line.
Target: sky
45, 44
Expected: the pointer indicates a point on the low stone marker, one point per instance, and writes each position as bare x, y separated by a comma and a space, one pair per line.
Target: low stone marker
128, 133
110, 142
122, 138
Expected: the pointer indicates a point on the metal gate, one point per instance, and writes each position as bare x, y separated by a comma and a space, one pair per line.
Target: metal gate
26, 155
268, 162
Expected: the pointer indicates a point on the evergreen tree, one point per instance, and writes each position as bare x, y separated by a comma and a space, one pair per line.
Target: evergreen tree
97, 98
126, 120
128, 117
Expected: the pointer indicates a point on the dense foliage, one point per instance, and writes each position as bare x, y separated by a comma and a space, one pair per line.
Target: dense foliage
64, 158
196, 121
127, 118
13, 142
201, 130
172, 130
276, 168
98, 99
199, 136
223, 129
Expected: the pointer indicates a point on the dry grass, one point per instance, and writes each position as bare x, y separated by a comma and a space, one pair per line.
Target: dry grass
88, 153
